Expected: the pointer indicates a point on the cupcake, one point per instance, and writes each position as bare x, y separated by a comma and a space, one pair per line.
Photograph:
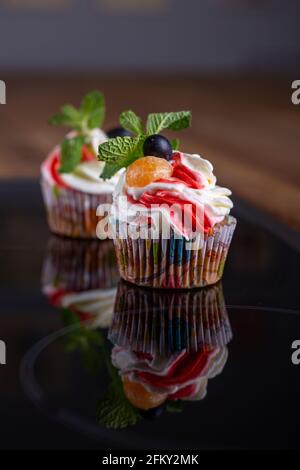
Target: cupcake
150, 381
71, 176
148, 320
170, 222
80, 276
167, 346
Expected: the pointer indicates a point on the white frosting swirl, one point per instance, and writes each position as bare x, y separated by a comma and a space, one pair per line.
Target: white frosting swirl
129, 364
96, 302
212, 199
86, 177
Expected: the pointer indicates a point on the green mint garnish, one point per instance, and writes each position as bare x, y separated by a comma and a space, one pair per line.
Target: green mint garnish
71, 153
120, 152
130, 121
84, 340
175, 406
175, 144
68, 116
157, 122
114, 410
92, 110
88, 116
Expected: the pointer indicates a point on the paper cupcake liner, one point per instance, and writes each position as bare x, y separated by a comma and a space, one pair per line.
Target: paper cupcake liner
163, 322
70, 212
168, 263
79, 265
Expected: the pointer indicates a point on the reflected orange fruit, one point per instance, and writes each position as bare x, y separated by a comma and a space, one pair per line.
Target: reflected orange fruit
140, 397
145, 170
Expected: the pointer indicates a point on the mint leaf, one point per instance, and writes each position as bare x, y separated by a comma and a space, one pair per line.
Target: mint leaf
68, 116
71, 153
156, 122
90, 115
83, 340
130, 121
175, 144
92, 109
119, 152
122, 151
114, 410
175, 406
69, 318
109, 170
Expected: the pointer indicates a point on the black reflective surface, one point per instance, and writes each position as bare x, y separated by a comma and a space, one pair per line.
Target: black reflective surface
54, 381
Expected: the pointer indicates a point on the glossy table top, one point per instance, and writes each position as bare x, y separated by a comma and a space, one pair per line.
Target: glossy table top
59, 373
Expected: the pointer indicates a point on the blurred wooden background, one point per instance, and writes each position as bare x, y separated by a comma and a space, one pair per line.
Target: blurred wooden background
248, 129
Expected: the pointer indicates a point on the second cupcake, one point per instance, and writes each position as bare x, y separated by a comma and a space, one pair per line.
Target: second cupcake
71, 176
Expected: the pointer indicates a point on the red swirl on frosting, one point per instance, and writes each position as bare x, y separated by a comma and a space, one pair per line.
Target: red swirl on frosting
56, 298
53, 164
184, 210
172, 199
186, 368
192, 179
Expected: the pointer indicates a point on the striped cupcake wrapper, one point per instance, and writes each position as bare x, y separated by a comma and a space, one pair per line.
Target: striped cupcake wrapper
70, 212
169, 263
163, 322
79, 265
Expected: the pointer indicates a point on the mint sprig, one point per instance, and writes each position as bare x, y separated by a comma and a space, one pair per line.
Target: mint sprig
88, 116
120, 152
175, 144
130, 121
175, 406
92, 110
68, 116
84, 340
157, 122
114, 411
71, 153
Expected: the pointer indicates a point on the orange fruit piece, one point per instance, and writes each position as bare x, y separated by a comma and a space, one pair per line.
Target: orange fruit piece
140, 397
145, 170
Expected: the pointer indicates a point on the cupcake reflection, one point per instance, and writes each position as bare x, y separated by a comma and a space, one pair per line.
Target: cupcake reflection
80, 277
167, 345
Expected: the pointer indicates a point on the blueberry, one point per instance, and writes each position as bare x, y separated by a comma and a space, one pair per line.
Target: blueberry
152, 413
118, 132
158, 146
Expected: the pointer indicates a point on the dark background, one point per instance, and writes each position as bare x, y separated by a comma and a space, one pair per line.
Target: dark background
252, 36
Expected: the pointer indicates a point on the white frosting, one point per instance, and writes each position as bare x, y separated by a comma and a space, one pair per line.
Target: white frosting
96, 137
212, 199
98, 302
203, 167
86, 178
129, 364
127, 361
87, 175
